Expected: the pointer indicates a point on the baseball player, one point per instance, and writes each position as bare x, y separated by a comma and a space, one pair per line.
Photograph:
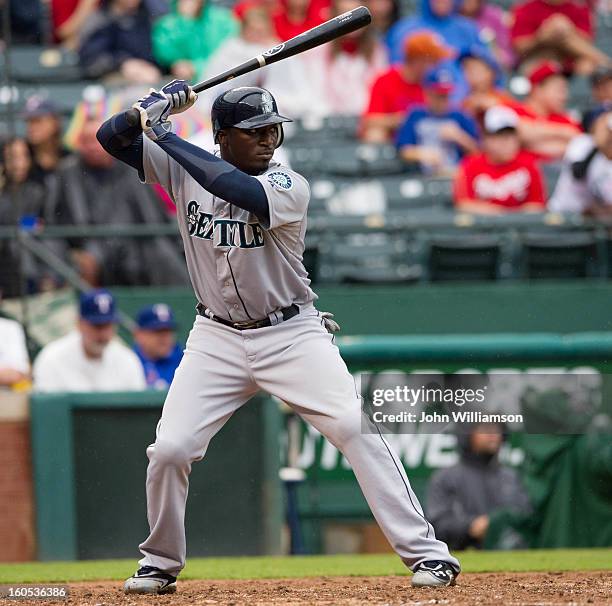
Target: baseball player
242, 218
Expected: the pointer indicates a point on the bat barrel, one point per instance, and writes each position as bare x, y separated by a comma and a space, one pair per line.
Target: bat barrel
330, 30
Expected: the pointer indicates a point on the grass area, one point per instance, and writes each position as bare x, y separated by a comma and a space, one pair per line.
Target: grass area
310, 566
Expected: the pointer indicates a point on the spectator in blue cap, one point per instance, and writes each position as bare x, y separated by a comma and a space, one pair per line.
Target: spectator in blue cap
436, 136
90, 358
156, 345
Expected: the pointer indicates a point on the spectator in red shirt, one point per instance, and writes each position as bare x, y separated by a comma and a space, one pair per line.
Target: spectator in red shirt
68, 17
482, 74
556, 29
399, 88
503, 178
546, 128
296, 16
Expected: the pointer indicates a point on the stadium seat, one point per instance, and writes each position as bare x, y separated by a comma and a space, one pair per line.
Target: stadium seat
471, 257
344, 196
306, 160
363, 160
364, 258
562, 255
321, 131
411, 192
37, 64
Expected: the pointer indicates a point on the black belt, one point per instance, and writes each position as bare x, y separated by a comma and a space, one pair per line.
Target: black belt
287, 313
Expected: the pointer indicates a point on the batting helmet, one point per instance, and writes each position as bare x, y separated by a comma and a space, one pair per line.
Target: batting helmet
246, 107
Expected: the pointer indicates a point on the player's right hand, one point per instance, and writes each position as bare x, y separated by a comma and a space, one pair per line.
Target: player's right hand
180, 95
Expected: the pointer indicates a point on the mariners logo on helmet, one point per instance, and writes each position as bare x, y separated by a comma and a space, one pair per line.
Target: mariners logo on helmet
267, 102
282, 180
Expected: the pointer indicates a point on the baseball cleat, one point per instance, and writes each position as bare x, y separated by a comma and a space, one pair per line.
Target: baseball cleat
434, 573
150, 580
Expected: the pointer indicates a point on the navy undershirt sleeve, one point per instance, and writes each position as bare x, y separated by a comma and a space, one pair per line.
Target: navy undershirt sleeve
217, 176
123, 141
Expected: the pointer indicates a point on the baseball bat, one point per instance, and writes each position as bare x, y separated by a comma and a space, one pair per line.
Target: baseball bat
330, 30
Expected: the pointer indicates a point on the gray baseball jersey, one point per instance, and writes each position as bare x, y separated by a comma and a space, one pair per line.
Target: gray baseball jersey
240, 268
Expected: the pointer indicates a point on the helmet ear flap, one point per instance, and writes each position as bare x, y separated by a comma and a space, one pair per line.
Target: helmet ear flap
281, 135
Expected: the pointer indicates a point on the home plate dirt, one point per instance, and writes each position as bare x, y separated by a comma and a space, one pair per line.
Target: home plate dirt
501, 589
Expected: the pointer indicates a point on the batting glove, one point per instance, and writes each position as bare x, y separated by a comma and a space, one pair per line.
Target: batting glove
158, 131
331, 326
180, 95
153, 109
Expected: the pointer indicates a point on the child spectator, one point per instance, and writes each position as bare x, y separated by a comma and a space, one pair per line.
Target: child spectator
546, 128
559, 30
185, 39
440, 16
585, 182
601, 85
435, 135
43, 131
482, 75
292, 17
399, 88
117, 40
494, 25
502, 178
156, 346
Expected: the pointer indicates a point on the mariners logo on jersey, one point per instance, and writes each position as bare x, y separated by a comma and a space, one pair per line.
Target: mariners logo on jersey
282, 180
227, 233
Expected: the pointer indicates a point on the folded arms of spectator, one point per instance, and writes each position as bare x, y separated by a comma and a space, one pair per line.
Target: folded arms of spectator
547, 139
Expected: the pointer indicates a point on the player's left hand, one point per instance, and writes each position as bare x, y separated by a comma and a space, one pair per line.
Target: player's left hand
330, 324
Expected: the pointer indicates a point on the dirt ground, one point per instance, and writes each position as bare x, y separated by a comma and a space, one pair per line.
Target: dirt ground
505, 589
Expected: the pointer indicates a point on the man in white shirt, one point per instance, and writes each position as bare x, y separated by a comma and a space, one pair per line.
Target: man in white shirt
14, 362
585, 183
90, 358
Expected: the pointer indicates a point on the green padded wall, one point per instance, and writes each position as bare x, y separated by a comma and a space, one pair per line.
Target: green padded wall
511, 307
90, 469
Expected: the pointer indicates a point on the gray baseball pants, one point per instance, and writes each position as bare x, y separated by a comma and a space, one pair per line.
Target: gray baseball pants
297, 362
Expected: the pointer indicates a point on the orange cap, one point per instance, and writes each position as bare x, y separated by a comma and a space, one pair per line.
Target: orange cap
426, 45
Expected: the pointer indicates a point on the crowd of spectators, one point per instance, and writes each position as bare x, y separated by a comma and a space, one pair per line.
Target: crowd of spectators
91, 357
441, 83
